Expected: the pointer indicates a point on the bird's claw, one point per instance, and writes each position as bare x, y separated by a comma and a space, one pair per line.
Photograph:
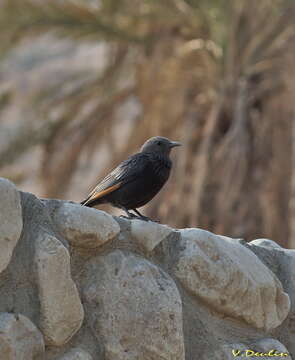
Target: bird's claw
129, 217
145, 218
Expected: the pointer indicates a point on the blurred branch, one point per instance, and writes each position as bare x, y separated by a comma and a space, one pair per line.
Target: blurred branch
201, 164
19, 18
14, 141
237, 140
265, 39
58, 167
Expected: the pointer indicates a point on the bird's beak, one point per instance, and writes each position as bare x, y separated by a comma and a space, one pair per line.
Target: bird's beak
174, 144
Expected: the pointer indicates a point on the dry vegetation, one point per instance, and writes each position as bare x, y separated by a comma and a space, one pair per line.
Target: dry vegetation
218, 76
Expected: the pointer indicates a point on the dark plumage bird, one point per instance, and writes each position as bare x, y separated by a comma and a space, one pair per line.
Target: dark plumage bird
136, 180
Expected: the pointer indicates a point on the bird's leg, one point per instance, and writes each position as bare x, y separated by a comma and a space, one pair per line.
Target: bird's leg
138, 213
145, 218
129, 214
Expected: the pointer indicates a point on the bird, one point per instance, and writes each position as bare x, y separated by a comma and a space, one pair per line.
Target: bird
136, 180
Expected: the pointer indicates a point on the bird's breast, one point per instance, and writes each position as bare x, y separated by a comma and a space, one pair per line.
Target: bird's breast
145, 186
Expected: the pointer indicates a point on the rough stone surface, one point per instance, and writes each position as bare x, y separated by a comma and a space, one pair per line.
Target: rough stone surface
149, 234
136, 308
61, 310
148, 291
261, 349
85, 227
265, 242
231, 279
10, 221
19, 338
282, 262
234, 351
267, 345
76, 354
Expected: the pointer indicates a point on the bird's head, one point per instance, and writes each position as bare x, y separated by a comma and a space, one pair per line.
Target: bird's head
160, 145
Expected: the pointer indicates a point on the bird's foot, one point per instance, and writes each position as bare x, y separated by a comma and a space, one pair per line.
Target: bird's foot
146, 218
142, 217
130, 216
135, 217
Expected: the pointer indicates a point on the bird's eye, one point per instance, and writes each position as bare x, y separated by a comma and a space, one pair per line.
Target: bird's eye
159, 143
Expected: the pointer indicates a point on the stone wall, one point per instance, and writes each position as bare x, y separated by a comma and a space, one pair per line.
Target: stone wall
79, 284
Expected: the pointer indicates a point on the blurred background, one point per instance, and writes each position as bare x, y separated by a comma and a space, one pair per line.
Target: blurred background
84, 83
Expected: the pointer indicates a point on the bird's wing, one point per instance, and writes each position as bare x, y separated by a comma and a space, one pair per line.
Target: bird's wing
127, 171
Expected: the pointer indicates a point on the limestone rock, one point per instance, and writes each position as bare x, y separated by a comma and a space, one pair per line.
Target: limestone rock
10, 221
230, 278
19, 338
85, 227
272, 348
135, 307
61, 309
149, 234
233, 351
76, 354
265, 242
264, 349
231, 291
282, 262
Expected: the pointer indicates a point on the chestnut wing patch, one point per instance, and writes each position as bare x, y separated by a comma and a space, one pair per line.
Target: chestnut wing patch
97, 195
127, 171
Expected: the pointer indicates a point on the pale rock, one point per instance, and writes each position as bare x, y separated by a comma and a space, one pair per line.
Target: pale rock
230, 292
233, 351
135, 307
263, 349
85, 227
264, 346
265, 243
19, 338
61, 309
76, 354
10, 221
230, 278
282, 262
149, 234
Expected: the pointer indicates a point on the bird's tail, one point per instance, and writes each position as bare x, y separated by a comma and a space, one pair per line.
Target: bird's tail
91, 202
84, 202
